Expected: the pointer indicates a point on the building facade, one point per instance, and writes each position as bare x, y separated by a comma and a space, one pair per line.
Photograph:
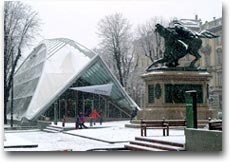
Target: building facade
212, 59
211, 56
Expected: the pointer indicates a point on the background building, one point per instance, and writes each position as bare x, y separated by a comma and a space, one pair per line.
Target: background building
212, 59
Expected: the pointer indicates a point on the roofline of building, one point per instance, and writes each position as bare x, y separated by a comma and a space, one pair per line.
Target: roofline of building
215, 29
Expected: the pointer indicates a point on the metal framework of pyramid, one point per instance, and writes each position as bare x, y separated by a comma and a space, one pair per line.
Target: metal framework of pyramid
51, 68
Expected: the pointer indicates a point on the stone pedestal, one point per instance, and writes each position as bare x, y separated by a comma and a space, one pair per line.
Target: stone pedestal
165, 93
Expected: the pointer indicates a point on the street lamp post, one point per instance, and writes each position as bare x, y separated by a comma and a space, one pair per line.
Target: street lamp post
12, 94
55, 112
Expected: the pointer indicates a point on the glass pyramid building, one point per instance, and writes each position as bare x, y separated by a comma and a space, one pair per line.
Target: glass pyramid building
50, 73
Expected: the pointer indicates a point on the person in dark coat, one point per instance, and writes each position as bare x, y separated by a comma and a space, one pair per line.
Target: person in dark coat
77, 123
100, 113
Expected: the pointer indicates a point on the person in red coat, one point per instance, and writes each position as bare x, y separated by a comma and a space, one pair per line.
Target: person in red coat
94, 115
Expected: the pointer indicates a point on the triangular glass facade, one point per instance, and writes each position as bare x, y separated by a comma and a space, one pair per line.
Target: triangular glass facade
52, 68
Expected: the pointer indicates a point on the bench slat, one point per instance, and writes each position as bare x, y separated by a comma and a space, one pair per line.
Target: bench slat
215, 125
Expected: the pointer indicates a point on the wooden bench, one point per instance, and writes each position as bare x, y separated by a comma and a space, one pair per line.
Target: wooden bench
160, 124
215, 125
146, 124
68, 120
175, 123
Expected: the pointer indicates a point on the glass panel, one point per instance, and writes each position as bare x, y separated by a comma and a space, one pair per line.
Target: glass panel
33, 60
116, 113
30, 74
22, 105
26, 89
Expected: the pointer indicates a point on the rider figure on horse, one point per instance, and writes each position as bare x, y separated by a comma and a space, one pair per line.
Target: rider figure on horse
180, 41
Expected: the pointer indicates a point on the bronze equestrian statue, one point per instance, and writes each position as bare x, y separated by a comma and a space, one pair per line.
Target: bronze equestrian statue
179, 41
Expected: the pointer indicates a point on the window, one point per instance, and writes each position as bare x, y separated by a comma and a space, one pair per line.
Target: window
219, 77
219, 58
219, 40
207, 60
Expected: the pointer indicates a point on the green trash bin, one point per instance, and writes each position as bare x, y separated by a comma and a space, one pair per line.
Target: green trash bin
189, 110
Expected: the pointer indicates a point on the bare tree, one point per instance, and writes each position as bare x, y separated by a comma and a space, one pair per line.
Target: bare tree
150, 41
21, 24
136, 84
116, 40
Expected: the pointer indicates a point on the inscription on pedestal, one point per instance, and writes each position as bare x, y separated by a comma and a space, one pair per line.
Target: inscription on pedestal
175, 93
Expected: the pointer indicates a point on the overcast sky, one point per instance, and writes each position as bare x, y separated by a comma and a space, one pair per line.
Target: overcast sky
78, 20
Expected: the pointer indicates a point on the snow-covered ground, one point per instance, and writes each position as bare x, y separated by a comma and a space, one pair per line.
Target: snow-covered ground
107, 135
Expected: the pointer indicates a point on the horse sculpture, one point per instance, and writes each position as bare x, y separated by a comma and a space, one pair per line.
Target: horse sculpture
179, 42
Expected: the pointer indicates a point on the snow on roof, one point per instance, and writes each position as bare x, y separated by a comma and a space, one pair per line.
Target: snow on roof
190, 23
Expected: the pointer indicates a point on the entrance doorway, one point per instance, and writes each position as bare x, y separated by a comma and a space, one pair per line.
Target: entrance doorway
88, 106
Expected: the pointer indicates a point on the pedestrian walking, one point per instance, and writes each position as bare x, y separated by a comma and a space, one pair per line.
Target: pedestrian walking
82, 121
77, 123
101, 116
94, 116
63, 121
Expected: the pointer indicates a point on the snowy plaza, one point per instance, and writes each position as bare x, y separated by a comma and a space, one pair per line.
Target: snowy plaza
108, 136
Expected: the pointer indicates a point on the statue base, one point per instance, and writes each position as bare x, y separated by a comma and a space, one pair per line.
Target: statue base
165, 93
173, 113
